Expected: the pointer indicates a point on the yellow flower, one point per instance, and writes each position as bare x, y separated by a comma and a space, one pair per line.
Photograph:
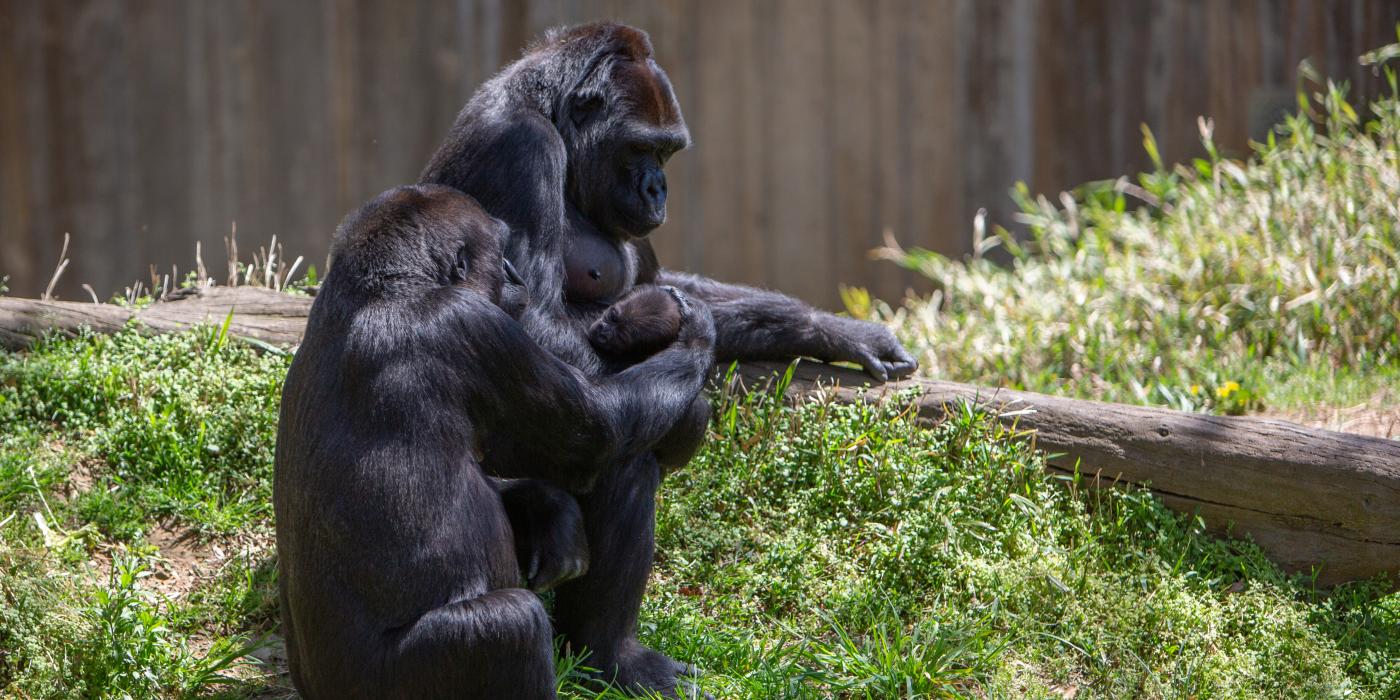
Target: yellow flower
1195, 389
1228, 388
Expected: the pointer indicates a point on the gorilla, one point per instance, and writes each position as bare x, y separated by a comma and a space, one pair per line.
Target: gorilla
398, 563
636, 326
568, 146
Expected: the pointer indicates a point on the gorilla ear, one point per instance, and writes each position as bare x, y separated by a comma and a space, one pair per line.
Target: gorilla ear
463, 267
584, 105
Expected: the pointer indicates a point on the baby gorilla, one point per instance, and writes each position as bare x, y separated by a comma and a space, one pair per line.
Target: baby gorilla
635, 327
397, 561
638, 325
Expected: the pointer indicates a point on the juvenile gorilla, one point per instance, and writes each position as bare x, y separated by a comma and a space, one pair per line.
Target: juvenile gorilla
638, 325
567, 145
398, 570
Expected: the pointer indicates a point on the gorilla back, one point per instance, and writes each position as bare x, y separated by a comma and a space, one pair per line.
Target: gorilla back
398, 573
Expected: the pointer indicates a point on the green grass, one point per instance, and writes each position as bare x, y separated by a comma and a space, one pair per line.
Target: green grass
810, 551
103, 438
1280, 273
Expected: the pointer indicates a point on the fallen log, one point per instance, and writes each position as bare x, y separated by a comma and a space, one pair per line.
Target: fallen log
1309, 498
259, 314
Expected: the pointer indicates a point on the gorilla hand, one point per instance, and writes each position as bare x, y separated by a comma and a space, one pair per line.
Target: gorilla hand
870, 345
548, 526
697, 323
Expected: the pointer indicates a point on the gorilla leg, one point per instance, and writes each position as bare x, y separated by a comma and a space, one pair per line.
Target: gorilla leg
499, 644
599, 610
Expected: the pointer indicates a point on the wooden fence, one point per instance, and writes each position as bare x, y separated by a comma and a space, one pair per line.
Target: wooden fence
143, 127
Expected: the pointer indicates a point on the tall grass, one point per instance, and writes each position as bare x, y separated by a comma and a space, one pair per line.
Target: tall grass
1195, 285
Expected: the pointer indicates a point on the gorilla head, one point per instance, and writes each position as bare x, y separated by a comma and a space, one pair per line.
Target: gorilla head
620, 123
427, 234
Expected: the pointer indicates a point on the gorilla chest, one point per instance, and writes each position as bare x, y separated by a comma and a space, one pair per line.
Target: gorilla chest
597, 270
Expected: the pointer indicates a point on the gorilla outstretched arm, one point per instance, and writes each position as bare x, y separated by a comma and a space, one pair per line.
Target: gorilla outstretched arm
756, 324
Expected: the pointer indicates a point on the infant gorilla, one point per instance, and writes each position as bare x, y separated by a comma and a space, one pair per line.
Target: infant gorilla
642, 323
638, 325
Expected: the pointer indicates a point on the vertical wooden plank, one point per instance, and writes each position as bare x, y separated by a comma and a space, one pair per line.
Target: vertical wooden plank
853, 199
199, 86
1053, 89
20, 219
798, 170
102, 212
933, 182
888, 79
1185, 83
160, 139
1127, 59
999, 103
1233, 48
726, 122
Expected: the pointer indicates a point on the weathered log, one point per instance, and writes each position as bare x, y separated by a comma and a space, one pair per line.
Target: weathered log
259, 314
1309, 498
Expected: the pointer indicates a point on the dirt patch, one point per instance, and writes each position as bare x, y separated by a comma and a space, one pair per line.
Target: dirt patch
186, 560
81, 479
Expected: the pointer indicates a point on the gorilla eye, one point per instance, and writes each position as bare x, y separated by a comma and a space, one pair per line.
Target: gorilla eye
584, 106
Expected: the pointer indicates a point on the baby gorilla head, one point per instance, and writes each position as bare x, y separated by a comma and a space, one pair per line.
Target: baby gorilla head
639, 324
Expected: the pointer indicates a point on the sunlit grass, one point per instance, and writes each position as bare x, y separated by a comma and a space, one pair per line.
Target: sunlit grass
811, 551
1194, 275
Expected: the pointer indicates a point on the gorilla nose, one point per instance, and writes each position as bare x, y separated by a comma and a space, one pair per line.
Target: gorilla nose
654, 190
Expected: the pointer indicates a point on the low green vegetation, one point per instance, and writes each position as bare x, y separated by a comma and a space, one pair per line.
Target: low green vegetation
107, 445
810, 551
1218, 285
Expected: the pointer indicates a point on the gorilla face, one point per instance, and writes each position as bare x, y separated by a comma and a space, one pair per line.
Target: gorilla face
626, 126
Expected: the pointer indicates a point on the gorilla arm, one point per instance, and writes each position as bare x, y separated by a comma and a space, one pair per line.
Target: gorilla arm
545, 419
756, 324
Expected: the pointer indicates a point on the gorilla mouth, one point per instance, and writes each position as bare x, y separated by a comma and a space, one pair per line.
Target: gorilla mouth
631, 225
644, 220
651, 222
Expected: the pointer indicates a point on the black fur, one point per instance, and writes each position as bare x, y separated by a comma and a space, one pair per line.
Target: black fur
567, 146
399, 573
636, 326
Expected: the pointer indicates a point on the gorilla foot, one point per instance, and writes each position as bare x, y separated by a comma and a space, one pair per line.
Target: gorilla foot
640, 669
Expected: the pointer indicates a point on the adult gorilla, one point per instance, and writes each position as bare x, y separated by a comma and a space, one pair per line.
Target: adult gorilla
398, 570
567, 145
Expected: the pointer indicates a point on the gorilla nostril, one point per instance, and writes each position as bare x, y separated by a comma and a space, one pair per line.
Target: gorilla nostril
654, 188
